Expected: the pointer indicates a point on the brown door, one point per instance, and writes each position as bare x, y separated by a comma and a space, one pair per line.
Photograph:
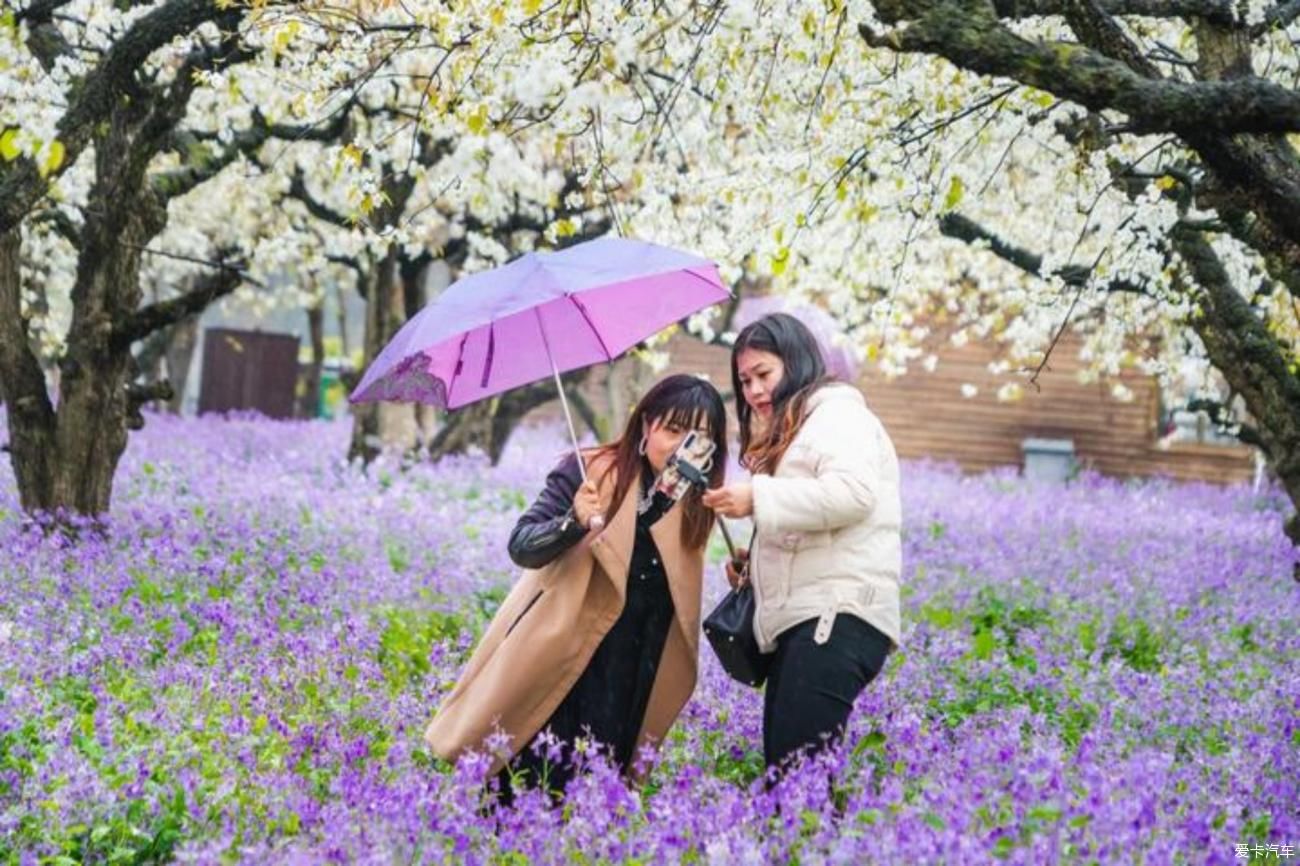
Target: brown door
248, 370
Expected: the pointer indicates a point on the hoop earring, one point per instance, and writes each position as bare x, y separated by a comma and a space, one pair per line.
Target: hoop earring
641, 448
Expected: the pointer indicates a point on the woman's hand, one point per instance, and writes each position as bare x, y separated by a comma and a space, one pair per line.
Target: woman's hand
586, 505
734, 500
737, 573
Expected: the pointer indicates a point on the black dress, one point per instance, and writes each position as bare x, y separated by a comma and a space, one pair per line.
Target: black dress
608, 702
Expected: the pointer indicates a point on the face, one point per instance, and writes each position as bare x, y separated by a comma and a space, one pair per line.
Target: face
662, 438
760, 373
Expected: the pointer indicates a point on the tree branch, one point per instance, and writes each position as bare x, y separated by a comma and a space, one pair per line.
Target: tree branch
351, 262
959, 227
137, 394
1096, 29
203, 165
962, 228
170, 107
1224, 418
323, 212
968, 34
44, 39
1278, 17
152, 350
100, 92
172, 184
39, 10
63, 225
332, 131
148, 319
1215, 10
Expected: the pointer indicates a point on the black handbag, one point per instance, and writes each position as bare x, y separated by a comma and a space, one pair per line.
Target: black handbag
730, 630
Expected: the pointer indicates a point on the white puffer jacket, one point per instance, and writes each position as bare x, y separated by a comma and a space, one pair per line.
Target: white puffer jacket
828, 524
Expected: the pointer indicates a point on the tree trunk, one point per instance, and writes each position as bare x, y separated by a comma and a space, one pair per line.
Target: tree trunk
376, 425
340, 296
93, 411
463, 429
1250, 359
65, 458
181, 341
30, 415
415, 280
1239, 344
309, 401
365, 416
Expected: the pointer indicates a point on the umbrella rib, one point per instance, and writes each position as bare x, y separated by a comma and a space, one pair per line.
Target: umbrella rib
590, 324
460, 363
491, 352
716, 285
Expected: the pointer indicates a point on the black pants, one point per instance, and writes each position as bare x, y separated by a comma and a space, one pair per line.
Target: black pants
811, 687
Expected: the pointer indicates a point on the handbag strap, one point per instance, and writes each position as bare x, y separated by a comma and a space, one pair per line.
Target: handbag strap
744, 572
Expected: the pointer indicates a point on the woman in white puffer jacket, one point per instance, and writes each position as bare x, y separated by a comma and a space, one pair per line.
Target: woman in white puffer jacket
824, 499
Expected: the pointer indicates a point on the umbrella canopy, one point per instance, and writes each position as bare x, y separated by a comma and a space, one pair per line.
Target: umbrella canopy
543, 313
841, 361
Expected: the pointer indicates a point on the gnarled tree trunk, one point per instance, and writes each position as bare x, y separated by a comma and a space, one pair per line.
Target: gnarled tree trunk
379, 425
65, 456
30, 414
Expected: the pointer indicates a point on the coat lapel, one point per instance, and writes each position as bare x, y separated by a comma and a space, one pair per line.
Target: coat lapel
612, 546
683, 573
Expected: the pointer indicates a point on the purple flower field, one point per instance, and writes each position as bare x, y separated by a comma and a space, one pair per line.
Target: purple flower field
1107, 672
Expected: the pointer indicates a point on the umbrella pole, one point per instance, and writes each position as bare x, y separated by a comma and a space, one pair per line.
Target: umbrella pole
573, 435
559, 387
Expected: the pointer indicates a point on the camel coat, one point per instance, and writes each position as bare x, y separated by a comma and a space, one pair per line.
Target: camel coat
547, 629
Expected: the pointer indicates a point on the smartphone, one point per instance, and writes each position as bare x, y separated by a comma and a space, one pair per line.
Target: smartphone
688, 466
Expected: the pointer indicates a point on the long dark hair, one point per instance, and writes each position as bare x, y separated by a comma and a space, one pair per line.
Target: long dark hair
682, 400
790, 340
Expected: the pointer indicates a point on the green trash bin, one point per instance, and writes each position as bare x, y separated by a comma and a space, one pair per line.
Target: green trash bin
331, 392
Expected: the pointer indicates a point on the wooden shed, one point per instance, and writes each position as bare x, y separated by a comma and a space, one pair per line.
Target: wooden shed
249, 370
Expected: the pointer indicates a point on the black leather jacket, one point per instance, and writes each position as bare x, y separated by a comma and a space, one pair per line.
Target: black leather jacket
549, 527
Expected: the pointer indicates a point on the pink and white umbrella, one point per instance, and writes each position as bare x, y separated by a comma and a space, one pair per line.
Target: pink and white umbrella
544, 313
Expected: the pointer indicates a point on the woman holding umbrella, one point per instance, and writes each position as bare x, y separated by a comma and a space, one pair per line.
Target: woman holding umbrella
826, 558
601, 631
599, 638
